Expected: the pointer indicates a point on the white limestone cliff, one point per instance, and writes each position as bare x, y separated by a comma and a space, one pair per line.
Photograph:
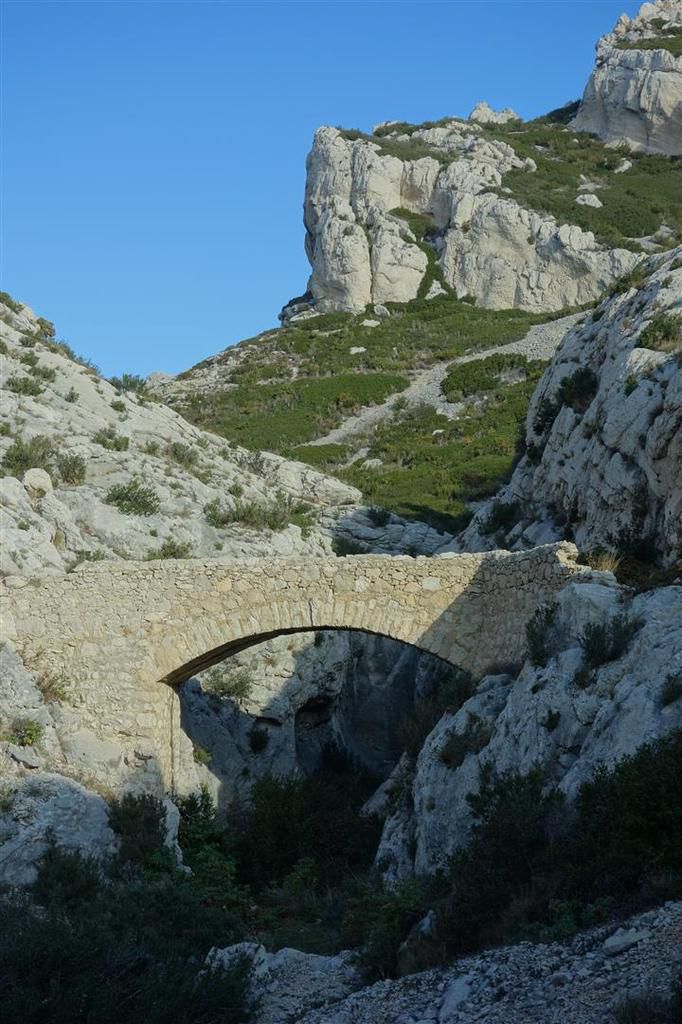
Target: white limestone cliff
634, 95
486, 244
609, 473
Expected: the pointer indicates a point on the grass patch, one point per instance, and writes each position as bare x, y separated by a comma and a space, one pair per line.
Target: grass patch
257, 515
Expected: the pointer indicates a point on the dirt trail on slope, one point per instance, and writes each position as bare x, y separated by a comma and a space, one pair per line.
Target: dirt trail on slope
541, 342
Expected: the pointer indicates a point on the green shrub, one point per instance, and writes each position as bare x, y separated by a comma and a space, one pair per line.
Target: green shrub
228, 681
501, 518
171, 548
113, 953
7, 300
24, 386
545, 415
36, 453
664, 333
201, 755
29, 358
133, 498
129, 382
579, 389
117, 405
109, 439
604, 642
71, 395
275, 516
379, 919
181, 453
482, 375
71, 468
139, 820
670, 41
45, 327
47, 373
630, 384
293, 819
378, 516
540, 635
342, 546
25, 732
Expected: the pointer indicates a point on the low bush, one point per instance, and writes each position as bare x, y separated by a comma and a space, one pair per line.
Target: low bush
502, 517
139, 820
540, 635
108, 952
459, 745
579, 389
25, 732
36, 453
24, 386
259, 516
481, 375
71, 468
259, 737
228, 681
108, 438
664, 333
604, 642
171, 548
133, 498
129, 382
343, 546
181, 453
671, 691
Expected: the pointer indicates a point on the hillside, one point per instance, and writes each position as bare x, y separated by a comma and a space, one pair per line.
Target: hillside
247, 777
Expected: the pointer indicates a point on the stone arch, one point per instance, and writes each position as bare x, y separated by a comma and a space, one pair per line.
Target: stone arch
116, 632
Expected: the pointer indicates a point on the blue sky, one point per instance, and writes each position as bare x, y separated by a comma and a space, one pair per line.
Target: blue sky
153, 153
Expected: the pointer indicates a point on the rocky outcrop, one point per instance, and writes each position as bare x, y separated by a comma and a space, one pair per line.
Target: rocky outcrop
547, 716
102, 439
362, 246
582, 981
634, 95
483, 113
603, 459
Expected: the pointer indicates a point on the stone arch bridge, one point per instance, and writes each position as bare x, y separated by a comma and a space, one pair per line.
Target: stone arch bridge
116, 633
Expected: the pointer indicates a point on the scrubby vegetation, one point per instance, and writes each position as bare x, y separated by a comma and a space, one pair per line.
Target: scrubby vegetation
483, 375
670, 41
110, 439
444, 463
133, 498
37, 452
256, 514
635, 203
663, 333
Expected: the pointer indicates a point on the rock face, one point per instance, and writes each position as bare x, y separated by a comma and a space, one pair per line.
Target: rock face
606, 466
634, 95
544, 716
363, 248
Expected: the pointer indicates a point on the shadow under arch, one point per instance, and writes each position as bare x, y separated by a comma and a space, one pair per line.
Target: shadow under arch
224, 651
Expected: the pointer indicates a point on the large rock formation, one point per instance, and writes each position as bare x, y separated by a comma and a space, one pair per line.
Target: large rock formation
550, 715
604, 430
634, 95
362, 243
